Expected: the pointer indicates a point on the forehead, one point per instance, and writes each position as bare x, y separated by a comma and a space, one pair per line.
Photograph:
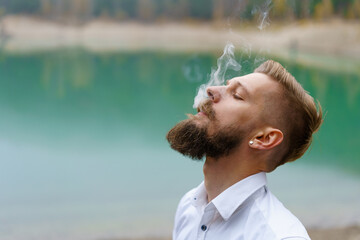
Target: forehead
255, 82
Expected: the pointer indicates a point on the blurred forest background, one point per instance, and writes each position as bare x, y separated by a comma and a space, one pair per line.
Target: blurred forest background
89, 89
80, 11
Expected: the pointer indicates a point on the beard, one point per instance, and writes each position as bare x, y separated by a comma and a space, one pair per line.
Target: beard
193, 140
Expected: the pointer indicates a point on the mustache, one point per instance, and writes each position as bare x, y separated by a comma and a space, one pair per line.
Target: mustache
206, 107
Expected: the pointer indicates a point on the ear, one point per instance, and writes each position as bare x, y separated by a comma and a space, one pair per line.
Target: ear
266, 139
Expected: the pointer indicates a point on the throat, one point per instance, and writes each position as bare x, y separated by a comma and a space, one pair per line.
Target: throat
220, 174
217, 177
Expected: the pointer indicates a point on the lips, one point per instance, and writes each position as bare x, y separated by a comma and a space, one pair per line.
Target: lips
201, 110
205, 109
202, 113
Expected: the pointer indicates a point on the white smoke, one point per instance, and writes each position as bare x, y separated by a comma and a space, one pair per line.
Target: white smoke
263, 11
192, 70
217, 76
227, 60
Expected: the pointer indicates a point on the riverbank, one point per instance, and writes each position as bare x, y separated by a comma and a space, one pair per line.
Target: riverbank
335, 37
333, 45
348, 233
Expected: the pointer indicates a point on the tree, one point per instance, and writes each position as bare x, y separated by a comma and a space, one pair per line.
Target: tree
80, 10
46, 7
279, 9
305, 9
354, 10
146, 10
218, 10
323, 10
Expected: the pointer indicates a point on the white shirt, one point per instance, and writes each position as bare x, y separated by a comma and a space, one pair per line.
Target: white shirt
245, 211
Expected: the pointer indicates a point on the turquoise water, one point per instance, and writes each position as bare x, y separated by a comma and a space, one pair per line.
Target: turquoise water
84, 155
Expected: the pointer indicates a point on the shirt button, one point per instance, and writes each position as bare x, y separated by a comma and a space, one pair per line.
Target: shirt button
203, 227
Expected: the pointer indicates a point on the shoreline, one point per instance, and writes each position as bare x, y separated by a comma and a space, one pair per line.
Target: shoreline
346, 233
335, 37
310, 43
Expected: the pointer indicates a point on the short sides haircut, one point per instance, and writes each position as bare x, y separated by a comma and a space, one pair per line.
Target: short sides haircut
300, 116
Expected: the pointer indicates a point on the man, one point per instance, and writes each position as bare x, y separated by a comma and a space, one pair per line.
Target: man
248, 127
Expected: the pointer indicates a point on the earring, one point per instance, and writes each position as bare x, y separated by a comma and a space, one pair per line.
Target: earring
251, 142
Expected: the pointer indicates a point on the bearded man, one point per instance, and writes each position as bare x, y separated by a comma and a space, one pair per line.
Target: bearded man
244, 129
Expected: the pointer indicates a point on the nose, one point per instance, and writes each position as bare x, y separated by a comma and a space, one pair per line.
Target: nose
214, 93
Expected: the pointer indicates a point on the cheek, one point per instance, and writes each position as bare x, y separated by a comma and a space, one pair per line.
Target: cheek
243, 115
235, 113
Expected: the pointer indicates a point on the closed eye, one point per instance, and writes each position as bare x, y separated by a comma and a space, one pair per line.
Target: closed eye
237, 96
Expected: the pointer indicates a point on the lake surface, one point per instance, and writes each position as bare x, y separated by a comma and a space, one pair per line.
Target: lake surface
83, 151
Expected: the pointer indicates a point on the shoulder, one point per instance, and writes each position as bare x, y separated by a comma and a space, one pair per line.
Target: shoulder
184, 213
185, 201
185, 206
278, 218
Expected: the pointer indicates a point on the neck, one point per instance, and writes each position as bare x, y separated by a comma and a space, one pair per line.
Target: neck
221, 173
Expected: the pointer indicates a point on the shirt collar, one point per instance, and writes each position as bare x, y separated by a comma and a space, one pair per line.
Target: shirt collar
199, 198
229, 200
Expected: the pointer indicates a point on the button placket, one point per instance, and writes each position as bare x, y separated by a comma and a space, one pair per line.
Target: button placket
205, 222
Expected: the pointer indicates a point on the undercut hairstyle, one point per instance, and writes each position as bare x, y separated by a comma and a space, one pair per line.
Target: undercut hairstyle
292, 110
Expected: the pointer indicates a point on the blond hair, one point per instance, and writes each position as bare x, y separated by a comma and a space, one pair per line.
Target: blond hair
300, 115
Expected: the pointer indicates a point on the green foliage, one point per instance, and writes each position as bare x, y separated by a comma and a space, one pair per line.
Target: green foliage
323, 10
201, 9
21, 6
152, 10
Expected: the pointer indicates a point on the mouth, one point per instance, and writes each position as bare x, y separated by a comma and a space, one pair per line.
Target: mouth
201, 112
205, 109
